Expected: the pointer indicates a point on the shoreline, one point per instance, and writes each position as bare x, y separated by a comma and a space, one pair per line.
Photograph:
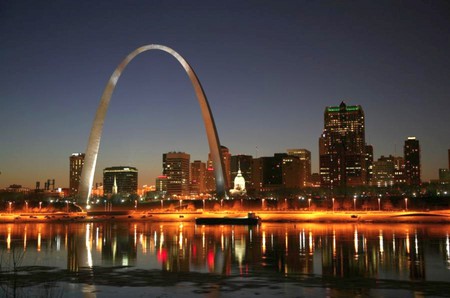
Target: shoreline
435, 217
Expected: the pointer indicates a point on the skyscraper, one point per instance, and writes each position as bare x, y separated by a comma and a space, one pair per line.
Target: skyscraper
125, 178
198, 177
304, 157
76, 165
411, 151
369, 163
176, 168
342, 147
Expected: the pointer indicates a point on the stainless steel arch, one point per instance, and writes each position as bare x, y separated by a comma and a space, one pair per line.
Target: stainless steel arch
87, 174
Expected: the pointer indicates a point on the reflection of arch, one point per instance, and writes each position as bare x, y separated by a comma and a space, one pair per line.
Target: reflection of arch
87, 175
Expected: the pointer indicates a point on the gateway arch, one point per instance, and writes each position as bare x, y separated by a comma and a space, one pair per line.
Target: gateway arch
87, 174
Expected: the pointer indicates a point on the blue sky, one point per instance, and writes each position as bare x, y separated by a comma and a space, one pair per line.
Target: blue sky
268, 68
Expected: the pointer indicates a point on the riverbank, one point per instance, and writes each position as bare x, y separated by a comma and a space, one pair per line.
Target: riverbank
442, 216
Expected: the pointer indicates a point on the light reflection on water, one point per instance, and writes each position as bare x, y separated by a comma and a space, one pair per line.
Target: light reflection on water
177, 259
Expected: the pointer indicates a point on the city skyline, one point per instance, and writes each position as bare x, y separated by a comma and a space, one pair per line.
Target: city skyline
268, 70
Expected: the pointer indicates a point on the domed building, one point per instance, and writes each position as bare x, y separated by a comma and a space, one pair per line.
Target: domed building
239, 185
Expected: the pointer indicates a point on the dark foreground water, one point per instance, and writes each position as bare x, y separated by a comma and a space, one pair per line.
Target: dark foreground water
118, 259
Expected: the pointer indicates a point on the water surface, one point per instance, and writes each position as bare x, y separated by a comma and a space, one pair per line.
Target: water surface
148, 259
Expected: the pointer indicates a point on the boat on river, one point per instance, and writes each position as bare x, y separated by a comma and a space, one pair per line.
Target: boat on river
250, 220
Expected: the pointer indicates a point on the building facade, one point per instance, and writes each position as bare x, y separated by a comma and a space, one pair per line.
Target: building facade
124, 177
342, 147
176, 169
384, 172
411, 151
304, 157
198, 177
76, 161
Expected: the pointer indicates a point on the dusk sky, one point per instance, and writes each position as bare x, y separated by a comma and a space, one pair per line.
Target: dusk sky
268, 68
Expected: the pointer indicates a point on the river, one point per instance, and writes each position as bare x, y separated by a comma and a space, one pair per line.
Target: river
153, 259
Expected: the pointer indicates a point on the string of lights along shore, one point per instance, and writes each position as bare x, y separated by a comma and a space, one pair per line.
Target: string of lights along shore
346, 162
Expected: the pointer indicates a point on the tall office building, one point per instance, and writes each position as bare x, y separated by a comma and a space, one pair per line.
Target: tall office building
411, 151
369, 163
198, 177
76, 165
342, 147
176, 168
304, 157
124, 177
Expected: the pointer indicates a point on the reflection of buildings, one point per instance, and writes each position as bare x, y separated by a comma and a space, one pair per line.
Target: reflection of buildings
340, 250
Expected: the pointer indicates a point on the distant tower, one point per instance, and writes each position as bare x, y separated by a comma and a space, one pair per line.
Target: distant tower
342, 147
76, 165
176, 169
411, 151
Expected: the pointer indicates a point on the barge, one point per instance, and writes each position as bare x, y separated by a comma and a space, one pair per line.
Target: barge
250, 220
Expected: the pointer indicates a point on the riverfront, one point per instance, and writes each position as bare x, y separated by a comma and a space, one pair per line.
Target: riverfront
441, 216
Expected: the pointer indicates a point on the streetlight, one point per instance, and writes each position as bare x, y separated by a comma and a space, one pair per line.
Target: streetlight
67, 206
203, 204
26, 204
162, 205
262, 204
309, 203
354, 202
285, 204
379, 204
406, 204
135, 205
333, 204
40, 206
10, 209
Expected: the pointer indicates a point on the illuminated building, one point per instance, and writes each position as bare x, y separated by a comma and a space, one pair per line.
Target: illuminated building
369, 163
399, 174
411, 151
444, 176
198, 177
125, 178
342, 147
176, 169
384, 171
76, 165
245, 164
304, 157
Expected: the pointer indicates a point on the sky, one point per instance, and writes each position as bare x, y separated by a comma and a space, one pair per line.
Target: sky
268, 68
